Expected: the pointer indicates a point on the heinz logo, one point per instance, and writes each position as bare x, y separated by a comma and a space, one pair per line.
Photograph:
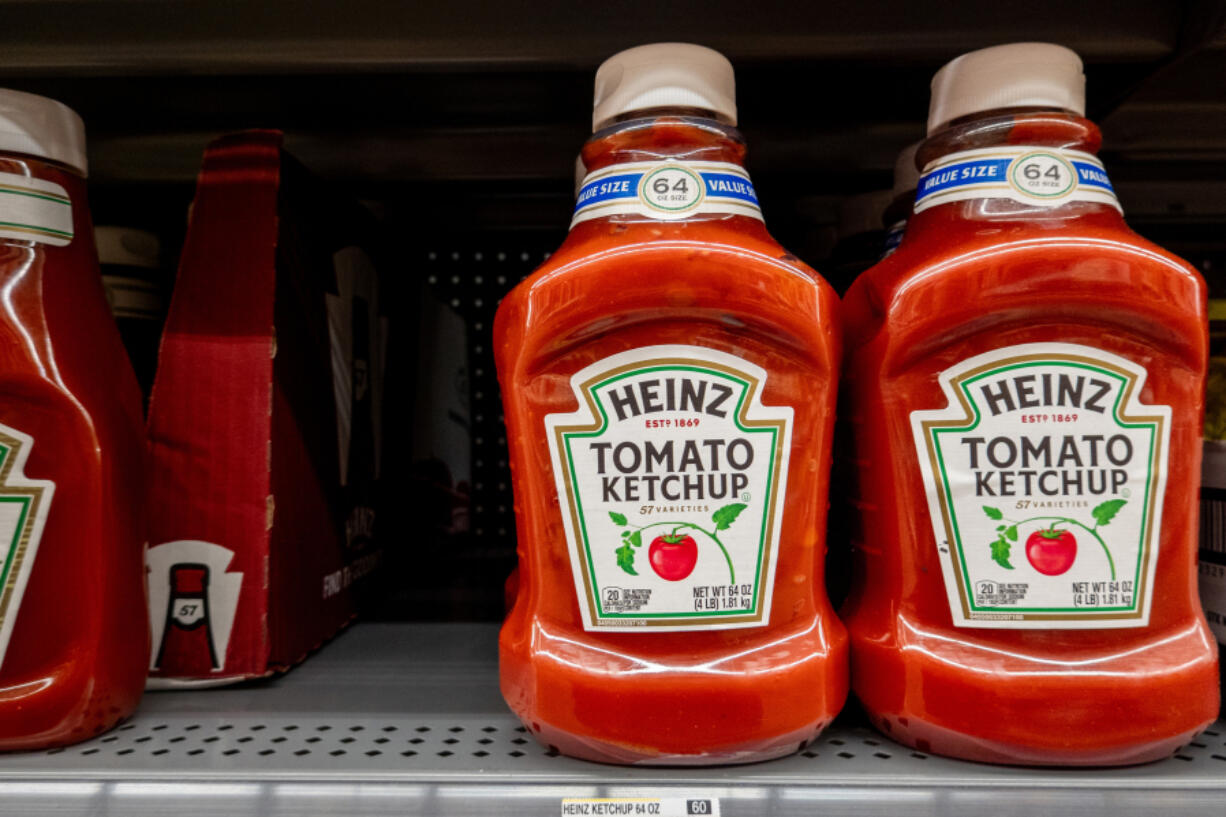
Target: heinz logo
666, 394
1047, 390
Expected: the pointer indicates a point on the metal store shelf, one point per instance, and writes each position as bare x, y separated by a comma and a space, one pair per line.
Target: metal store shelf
407, 719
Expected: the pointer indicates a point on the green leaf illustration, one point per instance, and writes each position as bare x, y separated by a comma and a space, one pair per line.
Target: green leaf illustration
1105, 512
726, 515
635, 538
993, 513
1011, 532
625, 559
618, 519
1000, 553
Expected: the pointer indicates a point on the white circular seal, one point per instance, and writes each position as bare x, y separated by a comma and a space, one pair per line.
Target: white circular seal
672, 190
1043, 175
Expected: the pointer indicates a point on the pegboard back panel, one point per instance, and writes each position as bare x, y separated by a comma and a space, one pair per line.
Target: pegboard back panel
454, 566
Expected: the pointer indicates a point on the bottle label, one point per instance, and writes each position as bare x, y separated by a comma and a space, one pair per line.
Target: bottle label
671, 478
1045, 477
34, 210
893, 237
669, 191
24, 504
1037, 176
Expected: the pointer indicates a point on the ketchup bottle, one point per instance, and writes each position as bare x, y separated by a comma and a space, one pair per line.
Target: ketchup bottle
74, 633
906, 177
1026, 378
668, 378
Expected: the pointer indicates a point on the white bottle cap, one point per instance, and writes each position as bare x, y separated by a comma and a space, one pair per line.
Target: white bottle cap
1036, 75
126, 247
664, 75
906, 174
41, 127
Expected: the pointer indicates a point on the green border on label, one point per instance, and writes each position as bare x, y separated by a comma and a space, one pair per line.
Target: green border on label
24, 501
567, 436
953, 515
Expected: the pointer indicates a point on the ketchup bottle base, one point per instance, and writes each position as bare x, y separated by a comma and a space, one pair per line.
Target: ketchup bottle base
932, 739
631, 709
601, 751
1021, 719
99, 716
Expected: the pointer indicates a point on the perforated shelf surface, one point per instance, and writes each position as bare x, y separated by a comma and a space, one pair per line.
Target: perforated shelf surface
407, 719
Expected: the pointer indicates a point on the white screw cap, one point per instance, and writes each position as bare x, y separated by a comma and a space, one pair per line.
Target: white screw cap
664, 75
1041, 75
41, 127
906, 174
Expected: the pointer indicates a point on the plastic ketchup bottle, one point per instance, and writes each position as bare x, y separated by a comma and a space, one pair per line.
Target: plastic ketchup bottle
1026, 379
74, 628
668, 378
906, 177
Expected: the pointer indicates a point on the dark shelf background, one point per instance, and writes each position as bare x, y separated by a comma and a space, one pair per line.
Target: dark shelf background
459, 124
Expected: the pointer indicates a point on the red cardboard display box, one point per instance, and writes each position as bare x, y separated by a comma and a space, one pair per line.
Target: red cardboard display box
264, 421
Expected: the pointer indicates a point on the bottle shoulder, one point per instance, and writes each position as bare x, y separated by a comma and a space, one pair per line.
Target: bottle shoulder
944, 238
628, 253
633, 273
1091, 265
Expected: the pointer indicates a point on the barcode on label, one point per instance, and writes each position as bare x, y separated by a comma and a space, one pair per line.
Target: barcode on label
640, 807
1213, 525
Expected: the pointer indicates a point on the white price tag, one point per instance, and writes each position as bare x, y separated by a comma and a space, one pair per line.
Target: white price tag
640, 807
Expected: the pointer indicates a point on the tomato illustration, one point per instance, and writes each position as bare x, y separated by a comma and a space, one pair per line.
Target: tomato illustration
1051, 551
673, 557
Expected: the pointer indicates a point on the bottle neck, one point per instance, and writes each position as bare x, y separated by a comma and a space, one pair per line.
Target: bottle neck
1014, 164
666, 167
45, 204
1031, 127
664, 135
